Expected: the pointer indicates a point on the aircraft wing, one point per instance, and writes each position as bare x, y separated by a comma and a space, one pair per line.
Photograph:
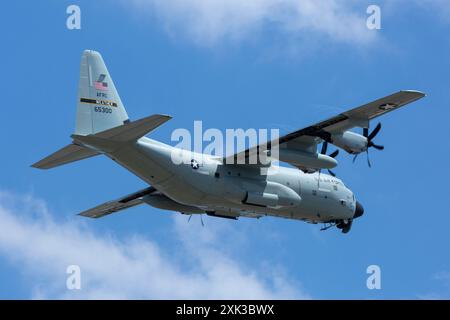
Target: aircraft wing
122, 203
307, 139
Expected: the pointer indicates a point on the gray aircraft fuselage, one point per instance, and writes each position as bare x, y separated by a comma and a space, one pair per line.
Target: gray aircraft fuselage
207, 183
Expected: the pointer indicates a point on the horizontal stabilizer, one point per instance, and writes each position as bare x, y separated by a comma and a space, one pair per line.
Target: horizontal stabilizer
128, 132
135, 129
65, 155
122, 203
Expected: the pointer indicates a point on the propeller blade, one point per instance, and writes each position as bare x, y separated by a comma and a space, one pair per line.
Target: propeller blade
324, 147
368, 159
190, 216
374, 132
378, 147
354, 158
334, 154
366, 132
331, 173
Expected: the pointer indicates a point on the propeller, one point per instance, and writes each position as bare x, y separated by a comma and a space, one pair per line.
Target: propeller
371, 136
370, 143
332, 155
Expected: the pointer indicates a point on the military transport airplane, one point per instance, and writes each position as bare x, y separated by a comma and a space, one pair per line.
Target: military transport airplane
215, 185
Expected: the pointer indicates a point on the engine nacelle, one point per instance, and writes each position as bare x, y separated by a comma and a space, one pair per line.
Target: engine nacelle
351, 142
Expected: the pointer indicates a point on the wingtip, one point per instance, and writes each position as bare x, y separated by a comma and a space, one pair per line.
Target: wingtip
84, 215
38, 165
420, 93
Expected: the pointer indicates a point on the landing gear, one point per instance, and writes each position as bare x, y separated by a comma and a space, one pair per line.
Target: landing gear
344, 225
328, 225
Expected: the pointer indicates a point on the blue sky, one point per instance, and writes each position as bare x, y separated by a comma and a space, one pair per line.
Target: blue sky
232, 65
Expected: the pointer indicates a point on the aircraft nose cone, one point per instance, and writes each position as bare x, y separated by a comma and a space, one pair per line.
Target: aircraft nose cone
359, 210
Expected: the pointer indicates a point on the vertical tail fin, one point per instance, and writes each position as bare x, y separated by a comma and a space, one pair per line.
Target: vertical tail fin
99, 109
99, 106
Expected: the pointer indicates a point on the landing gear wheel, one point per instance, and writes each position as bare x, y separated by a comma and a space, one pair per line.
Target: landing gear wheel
347, 226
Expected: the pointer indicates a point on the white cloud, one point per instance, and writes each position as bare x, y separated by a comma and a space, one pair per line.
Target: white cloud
212, 22
42, 248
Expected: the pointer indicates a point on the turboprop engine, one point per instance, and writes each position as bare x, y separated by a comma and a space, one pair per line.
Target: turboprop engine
351, 142
355, 143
